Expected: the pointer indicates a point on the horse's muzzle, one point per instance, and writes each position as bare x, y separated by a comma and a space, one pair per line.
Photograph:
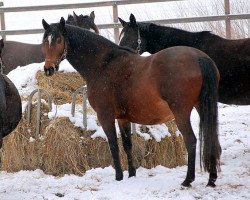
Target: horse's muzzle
49, 71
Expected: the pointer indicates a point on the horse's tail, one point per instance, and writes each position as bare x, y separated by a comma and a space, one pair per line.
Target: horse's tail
208, 110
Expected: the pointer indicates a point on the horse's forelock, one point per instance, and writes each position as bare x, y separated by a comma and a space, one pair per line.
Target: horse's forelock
52, 34
84, 16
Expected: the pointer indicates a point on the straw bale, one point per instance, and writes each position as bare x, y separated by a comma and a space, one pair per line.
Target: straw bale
63, 152
61, 85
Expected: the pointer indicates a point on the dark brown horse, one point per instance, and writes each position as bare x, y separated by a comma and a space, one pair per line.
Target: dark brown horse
10, 107
232, 57
84, 21
147, 90
16, 54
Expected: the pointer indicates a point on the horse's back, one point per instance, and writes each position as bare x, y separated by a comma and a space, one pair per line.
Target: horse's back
16, 54
179, 60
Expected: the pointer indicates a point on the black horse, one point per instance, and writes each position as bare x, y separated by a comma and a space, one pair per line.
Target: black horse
232, 57
147, 90
10, 107
16, 54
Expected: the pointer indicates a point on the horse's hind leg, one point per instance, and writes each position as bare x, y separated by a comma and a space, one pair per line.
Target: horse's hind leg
184, 125
125, 128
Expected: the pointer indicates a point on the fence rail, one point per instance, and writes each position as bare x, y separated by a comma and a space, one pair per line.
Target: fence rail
115, 25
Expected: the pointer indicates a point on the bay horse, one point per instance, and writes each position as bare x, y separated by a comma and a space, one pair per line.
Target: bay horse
150, 90
16, 54
232, 57
10, 106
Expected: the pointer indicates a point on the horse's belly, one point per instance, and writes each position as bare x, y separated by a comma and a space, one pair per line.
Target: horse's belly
150, 113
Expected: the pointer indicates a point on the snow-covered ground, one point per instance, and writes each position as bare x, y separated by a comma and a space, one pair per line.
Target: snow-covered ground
158, 183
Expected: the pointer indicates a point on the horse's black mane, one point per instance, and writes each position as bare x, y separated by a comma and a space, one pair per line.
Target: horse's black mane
127, 49
147, 27
54, 30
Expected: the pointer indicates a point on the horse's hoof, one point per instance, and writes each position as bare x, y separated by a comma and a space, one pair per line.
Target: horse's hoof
186, 184
211, 184
131, 172
119, 177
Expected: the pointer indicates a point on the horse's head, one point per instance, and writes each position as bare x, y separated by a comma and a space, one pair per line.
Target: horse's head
83, 21
131, 35
54, 45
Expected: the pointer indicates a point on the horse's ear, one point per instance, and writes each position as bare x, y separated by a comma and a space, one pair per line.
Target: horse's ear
45, 24
92, 15
132, 20
122, 22
76, 17
69, 16
62, 24
1, 43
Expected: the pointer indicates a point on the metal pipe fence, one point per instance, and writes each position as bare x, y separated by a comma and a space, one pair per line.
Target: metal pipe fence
227, 17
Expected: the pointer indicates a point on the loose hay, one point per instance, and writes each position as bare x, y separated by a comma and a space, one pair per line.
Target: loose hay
61, 85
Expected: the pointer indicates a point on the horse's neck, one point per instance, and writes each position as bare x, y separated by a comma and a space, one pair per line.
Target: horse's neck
164, 37
88, 55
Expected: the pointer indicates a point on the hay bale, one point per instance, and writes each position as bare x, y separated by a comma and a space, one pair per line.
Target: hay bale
63, 151
61, 86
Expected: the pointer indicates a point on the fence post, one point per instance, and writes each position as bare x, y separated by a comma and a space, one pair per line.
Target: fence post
133, 128
227, 21
84, 104
2, 18
38, 114
115, 20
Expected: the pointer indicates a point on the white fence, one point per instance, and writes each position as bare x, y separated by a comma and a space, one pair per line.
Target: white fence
227, 17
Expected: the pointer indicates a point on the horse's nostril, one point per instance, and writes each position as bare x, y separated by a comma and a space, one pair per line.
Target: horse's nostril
49, 71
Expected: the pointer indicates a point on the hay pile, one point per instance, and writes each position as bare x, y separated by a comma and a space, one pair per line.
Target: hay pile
61, 85
63, 148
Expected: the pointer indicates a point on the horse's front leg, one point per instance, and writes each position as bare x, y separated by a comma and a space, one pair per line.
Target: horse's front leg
125, 128
108, 126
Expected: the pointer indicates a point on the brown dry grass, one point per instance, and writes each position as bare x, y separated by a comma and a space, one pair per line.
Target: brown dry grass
61, 85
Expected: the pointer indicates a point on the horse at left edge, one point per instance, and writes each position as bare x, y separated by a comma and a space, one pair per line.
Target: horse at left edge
150, 90
10, 105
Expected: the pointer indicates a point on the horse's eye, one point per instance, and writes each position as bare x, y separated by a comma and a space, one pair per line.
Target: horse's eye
58, 40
